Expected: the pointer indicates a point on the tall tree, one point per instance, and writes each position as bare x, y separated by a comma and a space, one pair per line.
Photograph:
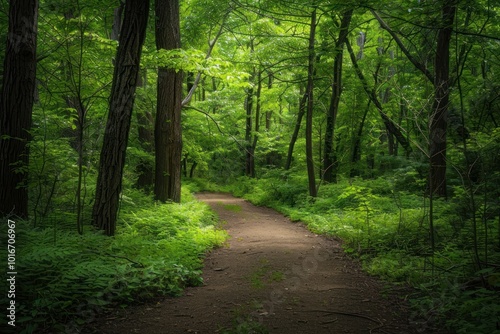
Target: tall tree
310, 106
168, 135
295, 134
112, 160
439, 113
16, 104
329, 171
441, 81
249, 98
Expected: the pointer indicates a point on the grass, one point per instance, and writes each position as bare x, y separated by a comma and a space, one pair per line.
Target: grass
265, 274
232, 207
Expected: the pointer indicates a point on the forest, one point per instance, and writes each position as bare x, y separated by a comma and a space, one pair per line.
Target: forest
374, 122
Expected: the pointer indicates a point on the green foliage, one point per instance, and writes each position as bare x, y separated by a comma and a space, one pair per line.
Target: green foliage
461, 308
387, 228
381, 217
232, 207
68, 279
245, 326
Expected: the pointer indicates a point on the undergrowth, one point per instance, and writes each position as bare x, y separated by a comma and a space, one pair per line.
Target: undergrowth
385, 223
66, 280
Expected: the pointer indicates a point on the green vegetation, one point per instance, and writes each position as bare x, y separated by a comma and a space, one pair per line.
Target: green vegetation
374, 122
243, 322
386, 227
265, 275
232, 207
66, 279
245, 326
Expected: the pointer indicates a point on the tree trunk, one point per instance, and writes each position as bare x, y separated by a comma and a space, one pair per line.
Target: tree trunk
249, 162
295, 134
117, 22
168, 133
112, 160
310, 106
270, 157
390, 126
16, 105
329, 172
145, 168
441, 82
439, 115
356, 151
191, 171
257, 123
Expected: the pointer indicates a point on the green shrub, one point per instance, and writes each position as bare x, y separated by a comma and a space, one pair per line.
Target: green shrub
385, 225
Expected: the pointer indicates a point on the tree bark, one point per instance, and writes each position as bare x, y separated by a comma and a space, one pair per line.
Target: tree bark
329, 172
249, 162
310, 107
295, 134
257, 123
145, 170
117, 21
270, 157
112, 160
439, 115
356, 151
191, 171
16, 105
168, 133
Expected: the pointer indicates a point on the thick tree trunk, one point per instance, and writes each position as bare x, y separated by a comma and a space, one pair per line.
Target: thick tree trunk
310, 107
439, 115
144, 168
168, 133
16, 104
112, 161
329, 170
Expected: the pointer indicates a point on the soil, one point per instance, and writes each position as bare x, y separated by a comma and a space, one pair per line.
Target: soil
272, 276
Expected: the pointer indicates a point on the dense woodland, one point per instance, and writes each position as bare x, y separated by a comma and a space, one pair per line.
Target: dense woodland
375, 122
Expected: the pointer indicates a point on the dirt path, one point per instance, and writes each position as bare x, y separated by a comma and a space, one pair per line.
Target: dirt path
273, 275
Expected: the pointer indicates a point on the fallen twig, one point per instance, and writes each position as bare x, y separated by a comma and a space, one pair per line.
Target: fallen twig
357, 315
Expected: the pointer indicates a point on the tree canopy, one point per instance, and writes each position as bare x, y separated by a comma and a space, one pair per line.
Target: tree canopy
307, 95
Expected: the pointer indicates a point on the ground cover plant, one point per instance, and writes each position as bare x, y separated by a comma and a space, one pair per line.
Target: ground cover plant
66, 280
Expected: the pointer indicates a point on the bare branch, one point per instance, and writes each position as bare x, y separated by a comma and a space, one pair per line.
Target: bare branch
407, 53
211, 45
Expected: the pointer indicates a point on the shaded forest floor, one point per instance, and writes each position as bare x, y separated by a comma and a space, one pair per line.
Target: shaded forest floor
273, 276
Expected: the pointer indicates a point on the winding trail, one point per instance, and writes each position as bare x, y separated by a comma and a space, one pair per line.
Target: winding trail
273, 274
